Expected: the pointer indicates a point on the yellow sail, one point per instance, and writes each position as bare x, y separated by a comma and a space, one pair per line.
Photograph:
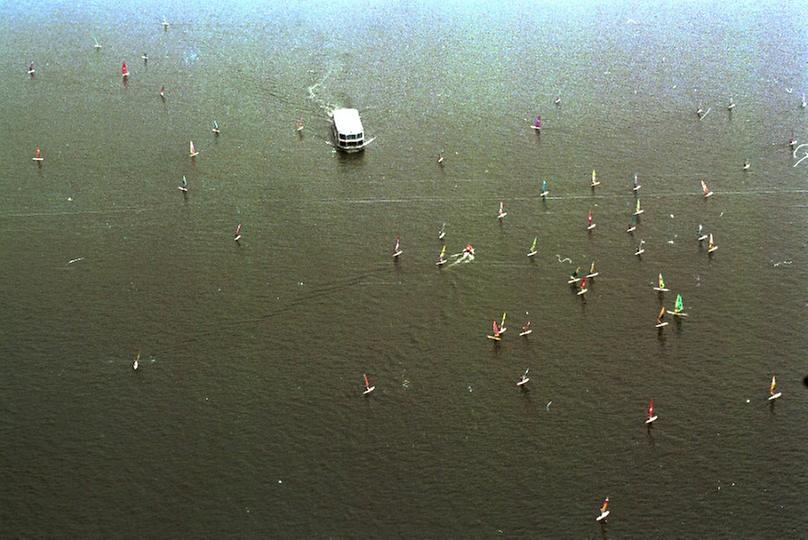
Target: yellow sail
661, 313
594, 176
592, 268
661, 281
773, 386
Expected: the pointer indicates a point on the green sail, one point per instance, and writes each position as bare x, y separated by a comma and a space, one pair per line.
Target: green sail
680, 305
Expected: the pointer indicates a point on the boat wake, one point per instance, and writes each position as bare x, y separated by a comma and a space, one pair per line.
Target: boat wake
462, 258
565, 259
323, 104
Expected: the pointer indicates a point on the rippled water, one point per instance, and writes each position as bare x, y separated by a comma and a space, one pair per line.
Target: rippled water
246, 416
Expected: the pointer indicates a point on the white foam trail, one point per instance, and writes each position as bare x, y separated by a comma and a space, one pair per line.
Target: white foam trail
71, 261
565, 259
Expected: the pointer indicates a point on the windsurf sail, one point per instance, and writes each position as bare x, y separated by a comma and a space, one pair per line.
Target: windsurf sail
582, 284
637, 208
38, 152
594, 177
397, 247
773, 386
661, 315
650, 408
192, 148
680, 304
367, 382
544, 186
442, 252
533, 245
660, 281
636, 181
710, 243
237, 232
704, 188
537, 122
589, 217
124, 69
502, 324
184, 182
605, 505
495, 328
592, 268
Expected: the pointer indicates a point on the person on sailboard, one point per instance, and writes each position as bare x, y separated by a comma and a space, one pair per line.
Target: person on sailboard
527, 326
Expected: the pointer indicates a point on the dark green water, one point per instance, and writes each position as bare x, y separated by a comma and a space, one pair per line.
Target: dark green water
246, 416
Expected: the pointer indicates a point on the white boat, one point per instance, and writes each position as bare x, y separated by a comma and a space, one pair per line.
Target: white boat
441, 259
526, 329
183, 185
368, 388
772, 390
731, 104
706, 190
594, 182
524, 379
533, 250
640, 248
589, 224
495, 332
700, 234
237, 233
711, 247
679, 307
397, 248
544, 189
31, 69
650, 417
442, 232
604, 510
582, 287
502, 213
660, 284
746, 165
637, 185
347, 130
193, 152
144, 57
660, 322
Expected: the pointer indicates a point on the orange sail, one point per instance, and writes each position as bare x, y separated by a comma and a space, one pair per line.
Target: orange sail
773, 386
661, 315
367, 383
605, 505
495, 328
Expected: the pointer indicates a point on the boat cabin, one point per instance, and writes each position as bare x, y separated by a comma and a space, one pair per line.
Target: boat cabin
349, 135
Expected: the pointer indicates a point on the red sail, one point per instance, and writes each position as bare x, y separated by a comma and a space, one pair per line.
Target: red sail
124, 71
650, 408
